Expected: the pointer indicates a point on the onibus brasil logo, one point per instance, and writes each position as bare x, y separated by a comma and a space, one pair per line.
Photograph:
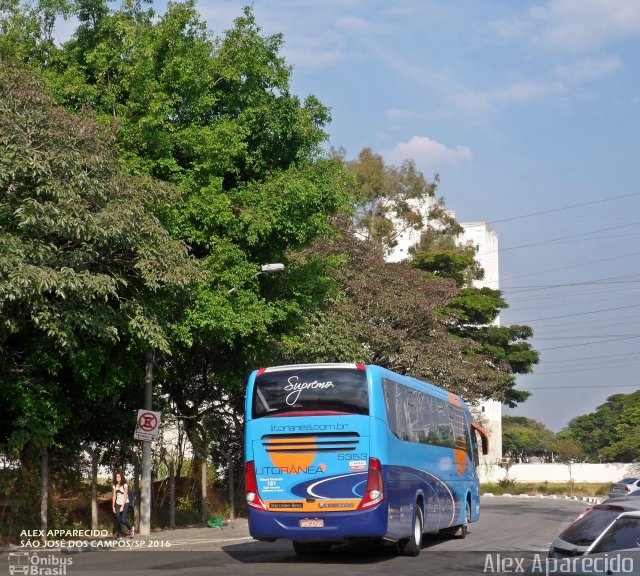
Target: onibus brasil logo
34, 564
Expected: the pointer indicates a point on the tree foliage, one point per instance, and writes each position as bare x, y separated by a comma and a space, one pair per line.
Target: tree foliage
611, 432
215, 117
387, 313
566, 449
388, 197
388, 206
524, 437
87, 270
144, 223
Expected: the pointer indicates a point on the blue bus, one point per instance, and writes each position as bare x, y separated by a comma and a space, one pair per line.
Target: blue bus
348, 452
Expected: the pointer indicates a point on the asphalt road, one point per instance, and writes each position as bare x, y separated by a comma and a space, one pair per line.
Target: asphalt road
509, 528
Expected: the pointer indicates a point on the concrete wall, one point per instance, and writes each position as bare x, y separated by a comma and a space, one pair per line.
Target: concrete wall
557, 472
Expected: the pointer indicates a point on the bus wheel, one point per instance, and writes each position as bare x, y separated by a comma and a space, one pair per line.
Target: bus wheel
311, 548
412, 546
464, 529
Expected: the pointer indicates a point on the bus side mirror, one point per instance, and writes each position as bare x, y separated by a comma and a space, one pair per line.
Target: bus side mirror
484, 437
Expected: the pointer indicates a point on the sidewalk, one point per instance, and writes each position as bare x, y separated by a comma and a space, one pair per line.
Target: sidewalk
232, 530
180, 539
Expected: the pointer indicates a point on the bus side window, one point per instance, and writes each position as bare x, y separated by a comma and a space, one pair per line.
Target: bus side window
472, 447
476, 446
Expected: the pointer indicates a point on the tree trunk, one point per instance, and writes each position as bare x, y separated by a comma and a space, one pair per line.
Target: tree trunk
232, 493
172, 494
44, 494
94, 490
203, 492
136, 508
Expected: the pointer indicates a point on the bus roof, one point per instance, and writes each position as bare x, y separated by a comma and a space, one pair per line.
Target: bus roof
309, 366
414, 382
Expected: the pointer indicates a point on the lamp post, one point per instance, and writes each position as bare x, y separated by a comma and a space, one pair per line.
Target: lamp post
264, 269
145, 492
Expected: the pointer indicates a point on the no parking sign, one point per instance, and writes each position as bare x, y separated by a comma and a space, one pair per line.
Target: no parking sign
147, 425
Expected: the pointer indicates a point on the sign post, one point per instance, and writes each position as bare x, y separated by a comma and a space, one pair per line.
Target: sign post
147, 425
148, 422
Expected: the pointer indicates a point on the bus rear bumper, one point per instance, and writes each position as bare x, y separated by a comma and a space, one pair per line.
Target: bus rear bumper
338, 526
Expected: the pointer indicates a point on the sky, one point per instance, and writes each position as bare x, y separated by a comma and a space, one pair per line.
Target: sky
529, 112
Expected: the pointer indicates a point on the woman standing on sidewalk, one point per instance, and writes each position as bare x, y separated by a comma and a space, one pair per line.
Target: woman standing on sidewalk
120, 503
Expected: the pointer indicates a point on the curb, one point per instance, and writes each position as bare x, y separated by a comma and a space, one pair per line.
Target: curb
585, 499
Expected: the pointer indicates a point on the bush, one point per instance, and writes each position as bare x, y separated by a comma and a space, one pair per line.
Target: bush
507, 483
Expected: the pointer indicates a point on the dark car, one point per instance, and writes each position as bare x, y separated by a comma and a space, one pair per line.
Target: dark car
625, 487
576, 538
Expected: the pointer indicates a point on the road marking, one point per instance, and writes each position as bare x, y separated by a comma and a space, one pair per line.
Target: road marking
202, 541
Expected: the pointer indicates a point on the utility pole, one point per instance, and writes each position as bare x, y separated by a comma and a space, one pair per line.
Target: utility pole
94, 486
145, 488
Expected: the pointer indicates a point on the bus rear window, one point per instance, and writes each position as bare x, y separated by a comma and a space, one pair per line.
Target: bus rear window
319, 390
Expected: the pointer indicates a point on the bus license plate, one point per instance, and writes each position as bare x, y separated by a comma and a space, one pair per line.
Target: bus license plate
312, 523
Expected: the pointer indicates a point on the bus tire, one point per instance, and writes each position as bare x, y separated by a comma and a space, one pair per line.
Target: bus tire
311, 548
464, 529
412, 546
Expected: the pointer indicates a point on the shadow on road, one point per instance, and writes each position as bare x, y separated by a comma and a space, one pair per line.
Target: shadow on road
350, 553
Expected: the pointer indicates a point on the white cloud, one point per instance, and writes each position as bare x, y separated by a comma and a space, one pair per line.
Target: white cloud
311, 59
429, 155
588, 70
473, 101
557, 83
585, 25
483, 101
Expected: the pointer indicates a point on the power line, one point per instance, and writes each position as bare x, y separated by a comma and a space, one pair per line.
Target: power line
588, 367
588, 343
567, 387
576, 337
611, 356
581, 313
562, 269
565, 208
602, 281
552, 240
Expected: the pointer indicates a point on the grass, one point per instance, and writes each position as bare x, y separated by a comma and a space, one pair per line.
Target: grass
545, 488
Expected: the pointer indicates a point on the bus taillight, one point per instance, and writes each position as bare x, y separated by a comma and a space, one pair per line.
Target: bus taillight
251, 487
375, 485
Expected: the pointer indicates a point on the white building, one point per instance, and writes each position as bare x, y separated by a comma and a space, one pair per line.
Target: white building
485, 240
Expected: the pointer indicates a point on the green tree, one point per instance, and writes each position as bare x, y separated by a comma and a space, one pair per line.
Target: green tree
89, 276
387, 313
610, 433
393, 200
474, 311
387, 197
566, 449
216, 117
524, 437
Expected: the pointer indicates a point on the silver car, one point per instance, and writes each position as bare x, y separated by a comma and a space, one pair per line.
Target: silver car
625, 487
576, 538
615, 552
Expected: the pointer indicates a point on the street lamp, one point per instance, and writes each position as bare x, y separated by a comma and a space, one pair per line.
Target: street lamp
265, 269
268, 268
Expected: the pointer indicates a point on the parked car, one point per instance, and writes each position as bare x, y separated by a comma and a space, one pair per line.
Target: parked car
576, 538
615, 552
625, 487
